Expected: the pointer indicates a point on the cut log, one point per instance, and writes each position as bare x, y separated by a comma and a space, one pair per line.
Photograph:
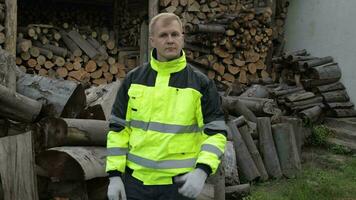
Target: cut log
84, 45
230, 166
59, 51
329, 87
70, 44
336, 96
258, 91
100, 101
10, 25
59, 98
17, 160
311, 115
235, 107
267, 147
73, 163
317, 62
294, 105
254, 152
350, 112
340, 105
18, 107
288, 155
237, 191
297, 128
325, 74
244, 160
299, 96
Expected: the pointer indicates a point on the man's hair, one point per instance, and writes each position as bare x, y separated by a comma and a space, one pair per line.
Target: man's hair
166, 18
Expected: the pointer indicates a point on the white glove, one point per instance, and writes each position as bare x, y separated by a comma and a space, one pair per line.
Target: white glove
193, 183
116, 188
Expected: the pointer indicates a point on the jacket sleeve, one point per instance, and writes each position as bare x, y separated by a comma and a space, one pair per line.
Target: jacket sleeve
119, 132
215, 130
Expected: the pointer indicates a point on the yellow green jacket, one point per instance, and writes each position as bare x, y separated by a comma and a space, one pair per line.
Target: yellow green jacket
166, 121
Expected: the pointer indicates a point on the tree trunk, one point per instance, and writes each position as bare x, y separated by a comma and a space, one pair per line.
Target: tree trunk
18, 107
288, 155
17, 167
237, 191
60, 98
267, 147
243, 158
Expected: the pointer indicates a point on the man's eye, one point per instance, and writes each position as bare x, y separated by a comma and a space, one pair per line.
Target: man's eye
175, 34
163, 35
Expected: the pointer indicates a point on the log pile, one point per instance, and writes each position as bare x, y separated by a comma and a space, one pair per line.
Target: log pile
230, 41
315, 88
76, 46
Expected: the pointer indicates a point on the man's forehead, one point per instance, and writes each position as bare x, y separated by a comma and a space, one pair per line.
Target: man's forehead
167, 25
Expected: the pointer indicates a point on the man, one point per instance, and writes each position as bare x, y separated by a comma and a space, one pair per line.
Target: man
167, 130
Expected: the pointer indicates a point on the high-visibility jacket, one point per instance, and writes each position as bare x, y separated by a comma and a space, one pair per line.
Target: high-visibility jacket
166, 120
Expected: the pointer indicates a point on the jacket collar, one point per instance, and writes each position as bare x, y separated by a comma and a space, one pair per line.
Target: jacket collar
168, 67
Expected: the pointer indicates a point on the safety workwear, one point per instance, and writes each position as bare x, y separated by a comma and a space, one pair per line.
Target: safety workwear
166, 121
193, 183
116, 189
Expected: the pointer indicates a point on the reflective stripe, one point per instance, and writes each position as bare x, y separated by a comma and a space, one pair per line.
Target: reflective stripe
212, 149
165, 164
216, 125
116, 120
164, 128
116, 151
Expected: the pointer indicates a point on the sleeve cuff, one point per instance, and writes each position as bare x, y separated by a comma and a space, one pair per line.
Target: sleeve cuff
113, 173
205, 168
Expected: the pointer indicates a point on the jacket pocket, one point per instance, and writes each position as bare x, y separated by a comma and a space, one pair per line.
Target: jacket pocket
135, 98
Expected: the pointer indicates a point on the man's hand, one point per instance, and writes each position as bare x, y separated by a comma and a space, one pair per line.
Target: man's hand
116, 188
193, 183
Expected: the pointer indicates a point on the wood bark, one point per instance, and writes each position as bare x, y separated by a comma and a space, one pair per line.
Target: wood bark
60, 98
244, 160
258, 91
254, 152
267, 147
73, 163
144, 43
318, 62
17, 160
350, 112
70, 44
286, 146
18, 107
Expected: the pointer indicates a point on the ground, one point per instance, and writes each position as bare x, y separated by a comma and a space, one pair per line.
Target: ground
325, 176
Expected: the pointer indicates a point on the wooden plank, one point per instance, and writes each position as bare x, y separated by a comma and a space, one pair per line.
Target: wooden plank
17, 167
10, 26
84, 45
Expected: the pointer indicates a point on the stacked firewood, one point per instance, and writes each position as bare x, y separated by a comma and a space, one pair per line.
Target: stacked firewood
315, 85
230, 41
2, 24
86, 51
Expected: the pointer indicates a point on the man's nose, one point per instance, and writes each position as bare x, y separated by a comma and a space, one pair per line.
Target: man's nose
169, 38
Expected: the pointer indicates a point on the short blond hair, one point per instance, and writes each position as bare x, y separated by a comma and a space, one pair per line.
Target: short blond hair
167, 18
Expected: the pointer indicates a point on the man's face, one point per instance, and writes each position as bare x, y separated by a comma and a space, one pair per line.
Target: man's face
168, 39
